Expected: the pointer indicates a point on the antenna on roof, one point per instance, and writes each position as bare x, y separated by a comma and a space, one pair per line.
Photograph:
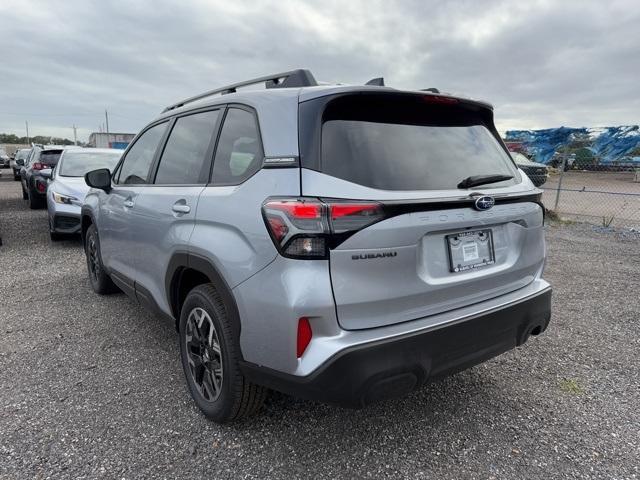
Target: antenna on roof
377, 82
293, 79
432, 90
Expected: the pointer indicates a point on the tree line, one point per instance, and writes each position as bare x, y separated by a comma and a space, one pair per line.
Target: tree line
12, 138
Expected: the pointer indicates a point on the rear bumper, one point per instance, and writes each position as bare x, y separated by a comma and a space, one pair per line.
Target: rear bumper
383, 369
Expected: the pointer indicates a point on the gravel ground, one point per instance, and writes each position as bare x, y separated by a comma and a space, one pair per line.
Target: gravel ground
92, 386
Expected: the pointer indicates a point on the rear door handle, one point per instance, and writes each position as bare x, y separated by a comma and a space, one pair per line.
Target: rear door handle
181, 207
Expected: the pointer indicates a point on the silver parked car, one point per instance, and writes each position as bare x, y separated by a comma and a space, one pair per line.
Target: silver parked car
67, 188
339, 243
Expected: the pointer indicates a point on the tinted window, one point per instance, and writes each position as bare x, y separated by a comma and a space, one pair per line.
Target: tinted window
77, 163
136, 165
184, 158
394, 143
239, 153
48, 157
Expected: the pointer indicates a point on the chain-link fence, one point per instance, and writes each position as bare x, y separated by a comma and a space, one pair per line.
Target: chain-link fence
607, 195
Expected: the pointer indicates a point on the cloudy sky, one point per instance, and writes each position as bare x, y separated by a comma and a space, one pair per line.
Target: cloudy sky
541, 63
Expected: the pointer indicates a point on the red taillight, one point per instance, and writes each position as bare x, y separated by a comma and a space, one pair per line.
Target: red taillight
297, 209
304, 336
39, 166
293, 222
41, 187
304, 227
343, 209
278, 227
353, 216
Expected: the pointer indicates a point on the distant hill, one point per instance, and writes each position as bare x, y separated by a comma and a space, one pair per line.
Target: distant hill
600, 145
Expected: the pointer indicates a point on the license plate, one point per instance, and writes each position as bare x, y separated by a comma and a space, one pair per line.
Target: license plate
470, 249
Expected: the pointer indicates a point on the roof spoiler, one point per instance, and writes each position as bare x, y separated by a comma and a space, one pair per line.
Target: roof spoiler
292, 79
377, 82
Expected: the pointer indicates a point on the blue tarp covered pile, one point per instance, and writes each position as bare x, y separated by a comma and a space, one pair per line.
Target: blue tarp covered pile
608, 144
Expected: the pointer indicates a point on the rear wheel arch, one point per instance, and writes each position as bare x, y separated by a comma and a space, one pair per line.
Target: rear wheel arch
187, 271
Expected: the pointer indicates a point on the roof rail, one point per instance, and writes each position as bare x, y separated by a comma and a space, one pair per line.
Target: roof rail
294, 78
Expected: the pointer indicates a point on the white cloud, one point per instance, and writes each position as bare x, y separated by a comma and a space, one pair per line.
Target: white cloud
541, 63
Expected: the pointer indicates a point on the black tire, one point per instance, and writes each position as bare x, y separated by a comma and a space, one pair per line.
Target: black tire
16, 177
35, 202
25, 195
236, 397
100, 281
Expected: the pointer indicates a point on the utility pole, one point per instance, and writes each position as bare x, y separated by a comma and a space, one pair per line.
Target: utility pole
75, 136
27, 124
106, 116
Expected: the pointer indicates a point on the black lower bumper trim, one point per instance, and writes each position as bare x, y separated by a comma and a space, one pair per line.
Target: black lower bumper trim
66, 223
379, 370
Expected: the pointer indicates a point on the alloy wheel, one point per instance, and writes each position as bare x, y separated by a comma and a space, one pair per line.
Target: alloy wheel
94, 263
204, 354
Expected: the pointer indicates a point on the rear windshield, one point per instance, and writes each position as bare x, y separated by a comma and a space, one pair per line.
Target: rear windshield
50, 157
76, 164
409, 142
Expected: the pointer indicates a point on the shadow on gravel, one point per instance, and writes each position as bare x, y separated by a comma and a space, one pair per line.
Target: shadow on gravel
70, 242
433, 405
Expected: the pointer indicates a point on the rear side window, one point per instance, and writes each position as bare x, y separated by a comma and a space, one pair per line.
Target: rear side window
136, 165
409, 142
239, 153
186, 157
50, 157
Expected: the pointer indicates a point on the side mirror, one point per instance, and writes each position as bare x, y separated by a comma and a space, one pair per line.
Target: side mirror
100, 178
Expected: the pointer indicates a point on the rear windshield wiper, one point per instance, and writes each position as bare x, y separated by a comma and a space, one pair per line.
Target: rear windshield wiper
476, 180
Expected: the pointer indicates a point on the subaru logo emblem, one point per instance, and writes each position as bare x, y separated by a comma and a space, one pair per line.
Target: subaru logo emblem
485, 203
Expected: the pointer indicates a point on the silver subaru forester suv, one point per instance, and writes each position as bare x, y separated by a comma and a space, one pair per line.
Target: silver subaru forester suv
338, 243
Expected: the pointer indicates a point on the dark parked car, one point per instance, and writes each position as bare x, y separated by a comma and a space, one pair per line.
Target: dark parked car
17, 162
4, 159
537, 172
36, 172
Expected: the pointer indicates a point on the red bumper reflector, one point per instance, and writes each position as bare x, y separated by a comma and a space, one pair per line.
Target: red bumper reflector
304, 335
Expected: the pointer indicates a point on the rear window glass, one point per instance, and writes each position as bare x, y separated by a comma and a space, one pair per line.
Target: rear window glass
76, 164
50, 157
409, 143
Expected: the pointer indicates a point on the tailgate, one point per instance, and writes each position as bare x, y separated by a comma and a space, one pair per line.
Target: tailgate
430, 247
400, 269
